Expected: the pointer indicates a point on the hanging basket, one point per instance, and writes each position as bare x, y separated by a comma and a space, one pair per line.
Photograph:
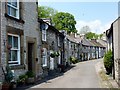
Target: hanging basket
52, 55
9, 47
57, 54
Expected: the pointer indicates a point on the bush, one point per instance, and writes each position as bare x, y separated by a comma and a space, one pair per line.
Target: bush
54, 54
8, 75
30, 74
73, 60
108, 62
22, 79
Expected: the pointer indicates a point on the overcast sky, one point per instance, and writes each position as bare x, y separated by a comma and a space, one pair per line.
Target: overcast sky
97, 15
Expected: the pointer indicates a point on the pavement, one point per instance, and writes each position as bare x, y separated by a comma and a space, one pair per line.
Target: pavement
106, 81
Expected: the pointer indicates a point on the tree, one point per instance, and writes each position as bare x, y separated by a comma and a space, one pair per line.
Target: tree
91, 35
46, 12
85, 29
65, 21
100, 36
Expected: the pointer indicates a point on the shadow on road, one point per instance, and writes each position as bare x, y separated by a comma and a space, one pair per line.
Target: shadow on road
46, 79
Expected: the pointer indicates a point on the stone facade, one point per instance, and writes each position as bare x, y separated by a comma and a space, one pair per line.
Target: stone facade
116, 45
26, 27
53, 43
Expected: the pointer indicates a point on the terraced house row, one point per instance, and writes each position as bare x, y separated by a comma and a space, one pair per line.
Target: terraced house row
31, 44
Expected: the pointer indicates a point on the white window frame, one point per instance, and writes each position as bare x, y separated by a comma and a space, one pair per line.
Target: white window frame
16, 8
58, 38
59, 58
44, 57
18, 50
69, 45
44, 33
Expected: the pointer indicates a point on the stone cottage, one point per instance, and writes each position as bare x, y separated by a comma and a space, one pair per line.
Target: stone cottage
114, 44
52, 44
116, 48
20, 41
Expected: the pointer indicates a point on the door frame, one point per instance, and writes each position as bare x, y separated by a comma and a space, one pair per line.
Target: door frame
34, 42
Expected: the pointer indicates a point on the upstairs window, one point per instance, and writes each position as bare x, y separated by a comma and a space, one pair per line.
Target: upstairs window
44, 27
13, 8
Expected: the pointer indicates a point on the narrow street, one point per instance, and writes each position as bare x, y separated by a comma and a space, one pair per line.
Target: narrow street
83, 75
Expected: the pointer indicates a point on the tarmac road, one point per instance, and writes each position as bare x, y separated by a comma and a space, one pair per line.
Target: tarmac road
83, 75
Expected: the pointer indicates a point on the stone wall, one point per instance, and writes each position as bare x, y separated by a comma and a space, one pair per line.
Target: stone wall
116, 44
30, 29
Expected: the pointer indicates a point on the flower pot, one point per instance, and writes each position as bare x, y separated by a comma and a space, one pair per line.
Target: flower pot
5, 86
30, 80
0, 86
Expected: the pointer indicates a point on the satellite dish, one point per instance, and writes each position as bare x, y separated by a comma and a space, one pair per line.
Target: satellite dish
46, 26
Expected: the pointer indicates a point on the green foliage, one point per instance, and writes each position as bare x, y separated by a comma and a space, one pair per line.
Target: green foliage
30, 74
65, 21
100, 36
46, 12
90, 35
73, 60
57, 54
8, 75
108, 62
22, 78
54, 54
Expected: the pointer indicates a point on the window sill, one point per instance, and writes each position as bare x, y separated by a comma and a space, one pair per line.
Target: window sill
12, 18
16, 67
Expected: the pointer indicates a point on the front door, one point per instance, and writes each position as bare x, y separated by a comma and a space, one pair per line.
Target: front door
30, 57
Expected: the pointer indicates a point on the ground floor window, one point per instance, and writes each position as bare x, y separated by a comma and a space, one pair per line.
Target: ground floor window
44, 57
14, 49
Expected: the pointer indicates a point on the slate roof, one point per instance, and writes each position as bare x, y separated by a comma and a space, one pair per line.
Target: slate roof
86, 42
96, 43
74, 39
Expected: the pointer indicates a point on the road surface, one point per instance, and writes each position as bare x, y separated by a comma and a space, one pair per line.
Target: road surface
83, 75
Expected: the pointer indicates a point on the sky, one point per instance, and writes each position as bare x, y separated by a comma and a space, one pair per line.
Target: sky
97, 15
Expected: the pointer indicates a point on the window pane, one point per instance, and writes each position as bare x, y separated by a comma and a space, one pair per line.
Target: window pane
43, 60
9, 56
14, 3
9, 1
15, 41
14, 55
9, 40
8, 10
13, 12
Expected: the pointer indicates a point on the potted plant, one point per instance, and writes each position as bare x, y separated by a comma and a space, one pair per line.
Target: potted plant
52, 55
8, 78
57, 54
30, 77
73, 60
22, 79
